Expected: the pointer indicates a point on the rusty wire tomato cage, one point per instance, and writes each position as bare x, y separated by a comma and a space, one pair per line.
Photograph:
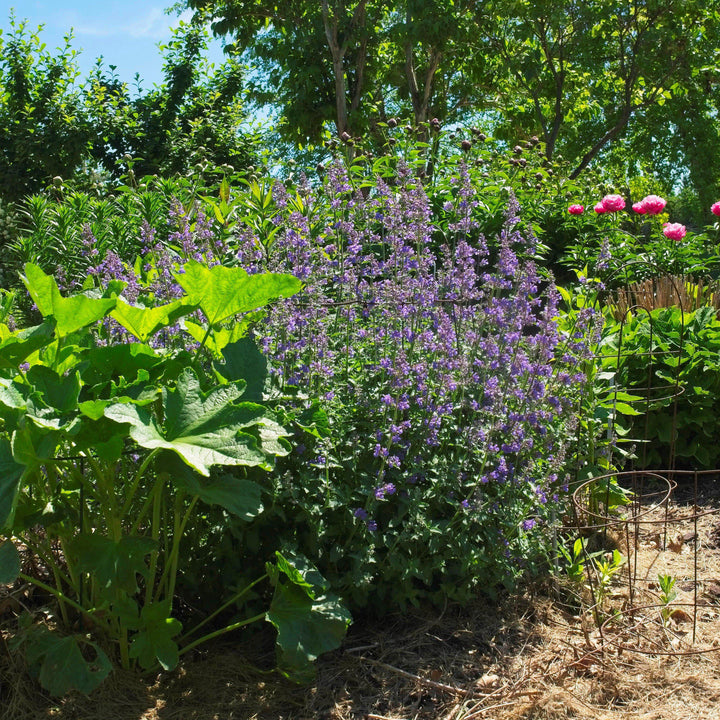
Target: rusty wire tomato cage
640, 626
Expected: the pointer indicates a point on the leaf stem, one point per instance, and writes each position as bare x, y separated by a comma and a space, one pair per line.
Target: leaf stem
225, 605
136, 481
222, 631
202, 344
58, 594
170, 572
155, 531
146, 506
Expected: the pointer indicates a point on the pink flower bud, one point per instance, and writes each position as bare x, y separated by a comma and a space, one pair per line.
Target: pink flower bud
600, 209
576, 209
654, 204
674, 231
715, 209
613, 203
639, 208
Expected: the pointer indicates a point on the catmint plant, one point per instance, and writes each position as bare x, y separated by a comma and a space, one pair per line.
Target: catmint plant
447, 383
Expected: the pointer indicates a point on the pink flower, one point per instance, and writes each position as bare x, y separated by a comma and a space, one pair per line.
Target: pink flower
639, 208
613, 203
579, 209
674, 231
715, 209
654, 204
600, 209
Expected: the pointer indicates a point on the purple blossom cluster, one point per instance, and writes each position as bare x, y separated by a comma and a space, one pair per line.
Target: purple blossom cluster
440, 362
451, 353
150, 281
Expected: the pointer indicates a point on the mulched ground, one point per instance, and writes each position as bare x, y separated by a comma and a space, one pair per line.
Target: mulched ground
535, 655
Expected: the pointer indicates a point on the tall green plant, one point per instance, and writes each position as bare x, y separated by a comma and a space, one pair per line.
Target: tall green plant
107, 450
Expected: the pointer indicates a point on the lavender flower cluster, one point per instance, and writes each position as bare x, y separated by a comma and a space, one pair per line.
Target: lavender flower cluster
150, 280
448, 383
420, 354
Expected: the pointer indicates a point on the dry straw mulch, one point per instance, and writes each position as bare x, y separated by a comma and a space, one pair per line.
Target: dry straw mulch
535, 655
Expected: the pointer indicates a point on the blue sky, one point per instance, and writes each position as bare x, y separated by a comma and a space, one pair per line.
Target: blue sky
125, 32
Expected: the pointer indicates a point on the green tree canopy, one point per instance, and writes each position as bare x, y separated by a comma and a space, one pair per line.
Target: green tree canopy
44, 126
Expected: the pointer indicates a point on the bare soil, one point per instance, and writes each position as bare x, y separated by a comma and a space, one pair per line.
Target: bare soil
533, 655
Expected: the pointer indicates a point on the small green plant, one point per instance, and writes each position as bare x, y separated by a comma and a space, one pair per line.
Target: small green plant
575, 567
606, 494
667, 595
670, 357
605, 570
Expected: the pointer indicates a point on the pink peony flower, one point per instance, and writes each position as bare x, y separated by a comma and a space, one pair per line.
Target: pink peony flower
715, 209
600, 209
639, 208
576, 209
654, 204
613, 203
674, 231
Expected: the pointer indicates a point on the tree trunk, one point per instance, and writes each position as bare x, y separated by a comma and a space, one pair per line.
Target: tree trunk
338, 53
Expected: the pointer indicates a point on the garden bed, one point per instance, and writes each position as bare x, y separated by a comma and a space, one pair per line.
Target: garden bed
531, 655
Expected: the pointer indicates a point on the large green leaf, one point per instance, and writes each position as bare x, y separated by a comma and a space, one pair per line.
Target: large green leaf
307, 627
55, 391
70, 313
203, 429
10, 564
238, 496
10, 473
112, 565
154, 642
243, 361
21, 344
63, 666
222, 292
220, 336
13, 395
112, 361
143, 322
301, 572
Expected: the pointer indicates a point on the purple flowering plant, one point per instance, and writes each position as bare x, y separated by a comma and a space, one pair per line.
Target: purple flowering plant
441, 383
430, 387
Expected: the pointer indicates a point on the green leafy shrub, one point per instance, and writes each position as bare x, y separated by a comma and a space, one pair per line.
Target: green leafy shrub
421, 371
669, 359
427, 407
106, 449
